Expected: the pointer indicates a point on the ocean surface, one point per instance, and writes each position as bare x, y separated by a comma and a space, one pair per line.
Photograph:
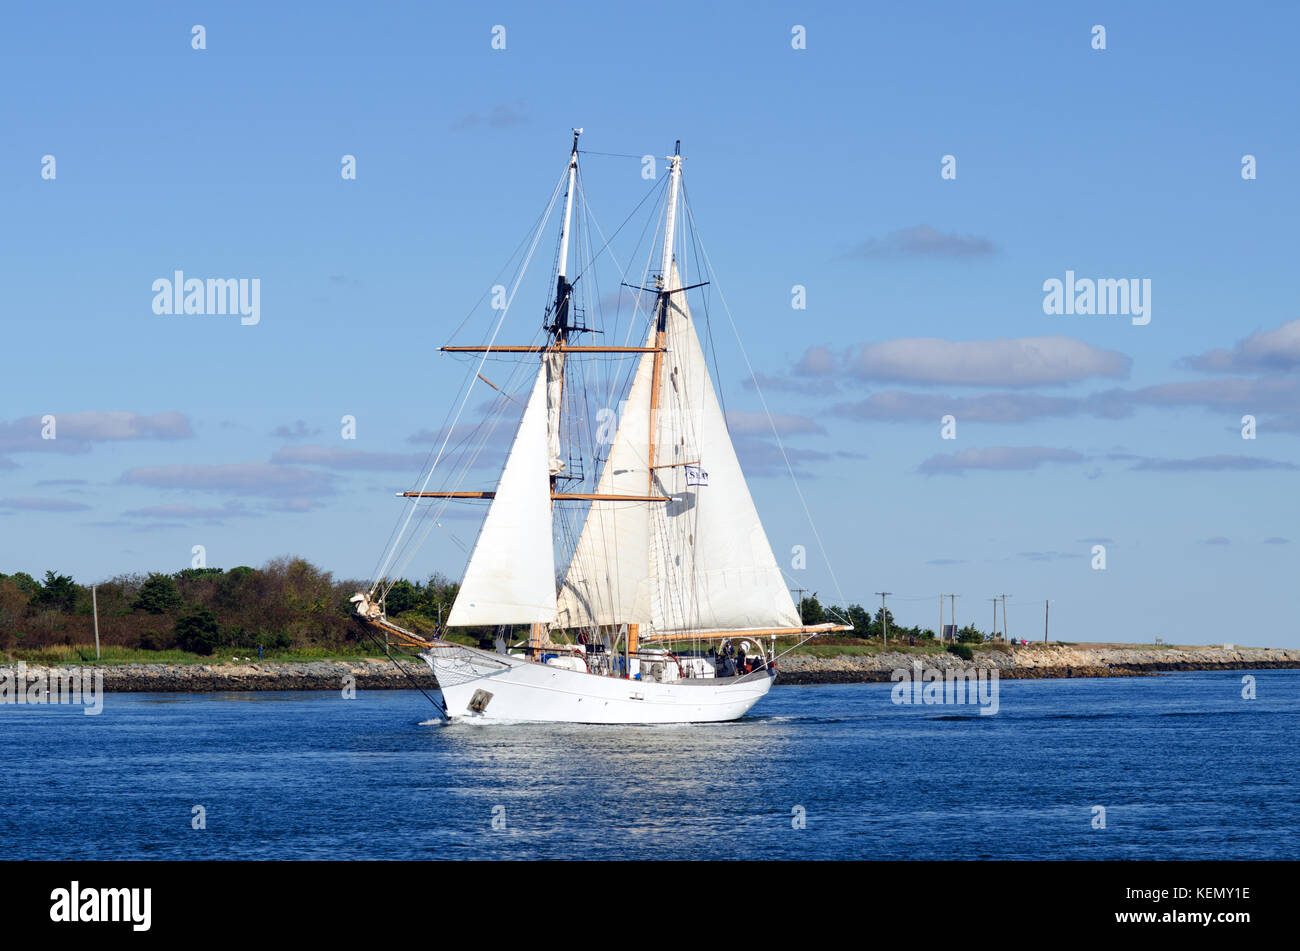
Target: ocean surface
1184, 767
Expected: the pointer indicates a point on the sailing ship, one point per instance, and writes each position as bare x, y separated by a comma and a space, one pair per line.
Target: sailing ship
668, 601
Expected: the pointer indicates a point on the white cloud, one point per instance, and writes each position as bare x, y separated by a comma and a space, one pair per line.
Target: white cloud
42, 505
1000, 458
1220, 463
743, 422
900, 406
74, 432
1266, 350
244, 478
924, 241
1022, 361
352, 459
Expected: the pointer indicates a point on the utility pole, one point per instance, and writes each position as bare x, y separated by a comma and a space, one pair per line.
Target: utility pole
995, 617
1047, 610
884, 619
940, 631
94, 607
952, 604
800, 592
1004, 614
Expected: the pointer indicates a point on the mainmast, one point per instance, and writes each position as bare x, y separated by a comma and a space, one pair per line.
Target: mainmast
661, 306
661, 326
670, 225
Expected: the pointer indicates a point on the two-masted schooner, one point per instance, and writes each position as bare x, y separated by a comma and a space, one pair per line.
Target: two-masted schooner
670, 554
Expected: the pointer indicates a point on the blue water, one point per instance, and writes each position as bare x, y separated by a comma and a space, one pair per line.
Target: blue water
1184, 766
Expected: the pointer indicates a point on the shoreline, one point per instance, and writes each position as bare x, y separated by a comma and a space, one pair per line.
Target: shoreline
1018, 663
1040, 661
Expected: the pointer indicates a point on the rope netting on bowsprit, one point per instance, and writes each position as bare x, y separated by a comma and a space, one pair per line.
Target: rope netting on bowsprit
458, 665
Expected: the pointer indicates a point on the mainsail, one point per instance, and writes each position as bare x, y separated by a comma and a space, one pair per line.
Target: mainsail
511, 574
699, 562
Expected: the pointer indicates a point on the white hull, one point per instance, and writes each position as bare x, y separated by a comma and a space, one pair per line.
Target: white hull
480, 686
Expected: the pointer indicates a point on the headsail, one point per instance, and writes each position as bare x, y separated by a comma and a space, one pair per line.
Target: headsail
511, 574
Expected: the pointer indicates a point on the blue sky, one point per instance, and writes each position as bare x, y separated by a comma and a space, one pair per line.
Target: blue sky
818, 167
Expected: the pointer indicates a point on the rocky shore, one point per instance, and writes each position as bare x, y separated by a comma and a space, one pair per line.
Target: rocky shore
1039, 661
1034, 661
364, 674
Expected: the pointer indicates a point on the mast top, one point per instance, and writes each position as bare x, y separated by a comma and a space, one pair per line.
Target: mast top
670, 217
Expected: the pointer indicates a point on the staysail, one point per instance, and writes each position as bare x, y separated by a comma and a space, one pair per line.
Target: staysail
701, 561
511, 574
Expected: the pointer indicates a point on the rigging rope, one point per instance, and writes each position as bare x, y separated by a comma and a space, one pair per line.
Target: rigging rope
763, 400
440, 707
470, 388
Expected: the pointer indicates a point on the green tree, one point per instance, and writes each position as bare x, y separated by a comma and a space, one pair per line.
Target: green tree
860, 618
438, 595
13, 606
24, 581
190, 574
58, 592
811, 610
197, 632
158, 595
404, 596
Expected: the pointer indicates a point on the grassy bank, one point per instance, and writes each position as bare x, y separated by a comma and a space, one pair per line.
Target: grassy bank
74, 655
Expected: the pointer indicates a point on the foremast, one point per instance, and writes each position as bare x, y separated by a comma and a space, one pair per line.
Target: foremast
554, 358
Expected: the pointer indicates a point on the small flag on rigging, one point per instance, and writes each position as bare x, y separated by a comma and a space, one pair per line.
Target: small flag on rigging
696, 476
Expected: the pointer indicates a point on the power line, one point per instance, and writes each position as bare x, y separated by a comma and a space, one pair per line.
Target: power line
952, 613
884, 620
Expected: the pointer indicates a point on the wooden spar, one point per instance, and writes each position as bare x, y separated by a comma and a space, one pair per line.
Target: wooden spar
674, 465
448, 495
764, 632
555, 496
655, 290
594, 497
631, 647
565, 348
401, 635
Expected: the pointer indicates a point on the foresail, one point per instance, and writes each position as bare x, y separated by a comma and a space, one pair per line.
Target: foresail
711, 566
608, 577
554, 397
511, 574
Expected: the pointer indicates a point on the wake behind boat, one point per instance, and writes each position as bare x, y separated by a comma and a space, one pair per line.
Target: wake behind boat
663, 558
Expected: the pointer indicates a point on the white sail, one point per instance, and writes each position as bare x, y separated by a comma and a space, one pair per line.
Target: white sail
554, 397
511, 574
712, 566
700, 562
608, 581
